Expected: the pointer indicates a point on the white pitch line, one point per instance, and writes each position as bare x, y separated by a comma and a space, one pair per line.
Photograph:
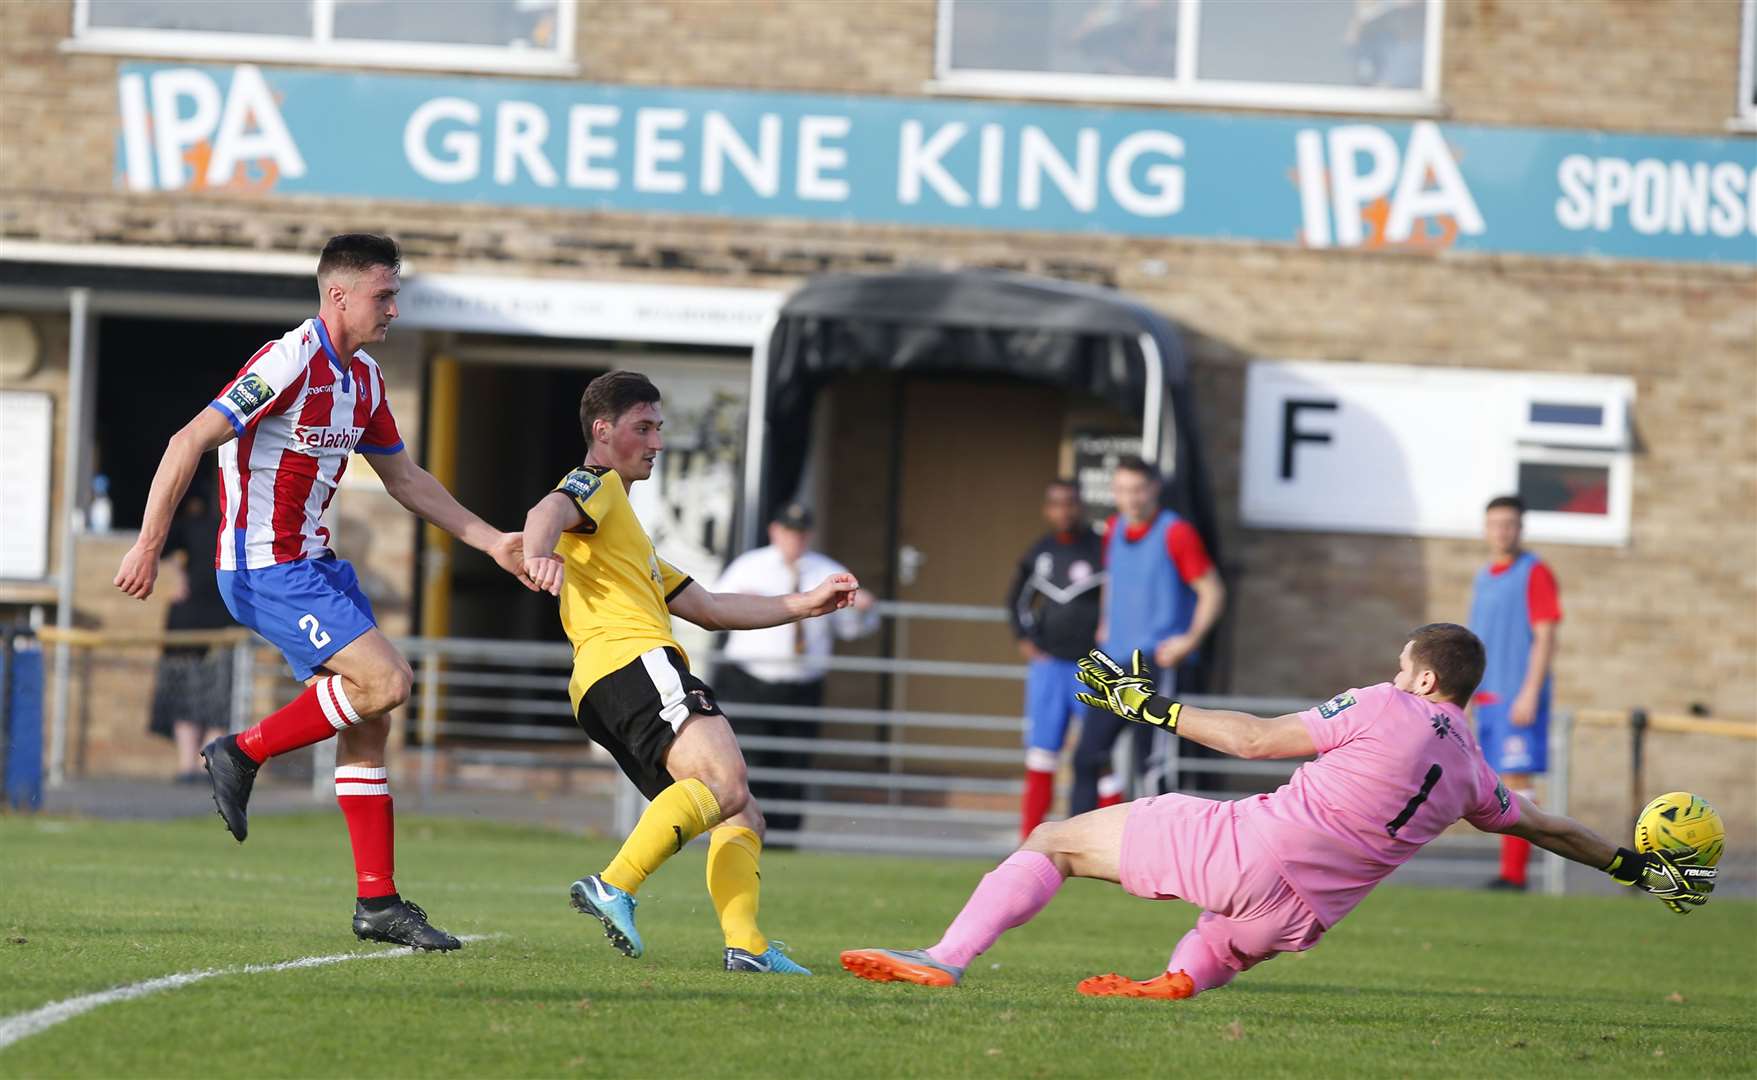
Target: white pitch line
24, 1025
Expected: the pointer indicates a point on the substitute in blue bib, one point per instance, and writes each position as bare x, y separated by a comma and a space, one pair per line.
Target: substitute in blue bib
1514, 609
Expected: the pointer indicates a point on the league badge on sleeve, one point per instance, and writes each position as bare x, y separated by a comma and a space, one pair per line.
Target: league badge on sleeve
250, 394
1336, 704
580, 485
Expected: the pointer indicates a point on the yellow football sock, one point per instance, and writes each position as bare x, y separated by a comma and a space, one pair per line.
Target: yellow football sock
681, 813
733, 882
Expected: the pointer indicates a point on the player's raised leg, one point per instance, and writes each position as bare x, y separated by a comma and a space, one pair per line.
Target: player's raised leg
708, 785
1088, 846
314, 612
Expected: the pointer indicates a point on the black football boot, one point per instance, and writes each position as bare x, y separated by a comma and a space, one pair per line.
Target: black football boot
401, 923
232, 774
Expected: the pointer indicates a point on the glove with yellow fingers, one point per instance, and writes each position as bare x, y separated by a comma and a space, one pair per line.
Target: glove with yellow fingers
1672, 876
1127, 693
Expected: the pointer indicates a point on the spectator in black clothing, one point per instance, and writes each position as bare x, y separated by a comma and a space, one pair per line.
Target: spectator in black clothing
192, 703
1053, 605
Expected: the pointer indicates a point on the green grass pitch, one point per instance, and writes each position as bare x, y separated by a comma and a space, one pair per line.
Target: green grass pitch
1416, 982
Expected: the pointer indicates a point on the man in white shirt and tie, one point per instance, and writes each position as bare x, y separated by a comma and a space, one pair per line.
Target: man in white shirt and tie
783, 665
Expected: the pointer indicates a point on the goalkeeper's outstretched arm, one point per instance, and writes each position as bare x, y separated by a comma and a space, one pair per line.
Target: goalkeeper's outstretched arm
1245, 736
1128, 692
1562, 835
1677, 881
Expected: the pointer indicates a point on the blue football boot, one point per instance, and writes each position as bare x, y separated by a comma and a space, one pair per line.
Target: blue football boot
594, 896
770, 961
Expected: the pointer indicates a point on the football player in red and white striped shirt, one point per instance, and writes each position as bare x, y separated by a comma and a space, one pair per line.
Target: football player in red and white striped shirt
285, 429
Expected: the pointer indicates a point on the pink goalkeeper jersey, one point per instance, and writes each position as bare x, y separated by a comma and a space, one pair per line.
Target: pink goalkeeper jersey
299, 413
1394, 771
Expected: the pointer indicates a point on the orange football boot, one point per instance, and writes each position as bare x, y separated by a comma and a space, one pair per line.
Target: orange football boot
1173, 985
901, 965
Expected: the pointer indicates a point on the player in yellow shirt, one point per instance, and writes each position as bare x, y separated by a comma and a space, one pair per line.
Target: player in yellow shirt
632, 689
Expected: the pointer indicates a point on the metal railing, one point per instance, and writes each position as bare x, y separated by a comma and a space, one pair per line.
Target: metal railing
883, 793
243, 645
886, 791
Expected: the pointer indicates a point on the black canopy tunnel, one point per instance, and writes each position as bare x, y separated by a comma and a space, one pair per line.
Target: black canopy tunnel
972, 322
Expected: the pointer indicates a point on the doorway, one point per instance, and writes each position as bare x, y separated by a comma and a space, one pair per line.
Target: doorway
518, 432
934, 488
140, 401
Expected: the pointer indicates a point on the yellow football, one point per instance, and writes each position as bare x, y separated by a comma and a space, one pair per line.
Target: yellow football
1681, 822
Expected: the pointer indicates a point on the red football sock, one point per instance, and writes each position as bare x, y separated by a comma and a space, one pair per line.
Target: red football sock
364, 795
321, 711
1515, 853
1110, 791
1039, 793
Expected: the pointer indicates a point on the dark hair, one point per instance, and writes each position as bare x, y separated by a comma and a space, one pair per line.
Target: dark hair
613, 393
1507, 502
1135, 464
1063, 483
1453, 654
353, 252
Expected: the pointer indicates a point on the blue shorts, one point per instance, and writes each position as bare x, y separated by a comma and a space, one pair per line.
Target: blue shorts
1050, 687
1512, 749
309, 609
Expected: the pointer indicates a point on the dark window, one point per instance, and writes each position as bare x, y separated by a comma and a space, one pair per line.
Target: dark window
140, 406
1565, 489
1551, 413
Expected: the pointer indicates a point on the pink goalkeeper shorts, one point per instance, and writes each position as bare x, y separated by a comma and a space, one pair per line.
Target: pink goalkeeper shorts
1176, 847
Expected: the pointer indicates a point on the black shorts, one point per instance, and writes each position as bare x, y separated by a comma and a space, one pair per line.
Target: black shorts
634, 712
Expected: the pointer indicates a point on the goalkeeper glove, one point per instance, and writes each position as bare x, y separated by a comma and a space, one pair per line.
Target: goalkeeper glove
1673, 877
1129, 694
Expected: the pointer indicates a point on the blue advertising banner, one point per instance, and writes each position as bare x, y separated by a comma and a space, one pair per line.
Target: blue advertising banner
1418, 186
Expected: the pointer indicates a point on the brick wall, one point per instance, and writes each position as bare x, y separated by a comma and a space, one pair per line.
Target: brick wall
1624, 65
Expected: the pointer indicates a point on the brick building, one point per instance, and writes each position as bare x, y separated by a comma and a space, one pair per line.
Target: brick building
1372, 187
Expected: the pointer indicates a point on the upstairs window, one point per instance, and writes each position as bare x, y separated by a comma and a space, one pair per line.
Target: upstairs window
1370, 55
488, 35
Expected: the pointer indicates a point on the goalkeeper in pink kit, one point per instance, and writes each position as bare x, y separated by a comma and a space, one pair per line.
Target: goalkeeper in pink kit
1398, 765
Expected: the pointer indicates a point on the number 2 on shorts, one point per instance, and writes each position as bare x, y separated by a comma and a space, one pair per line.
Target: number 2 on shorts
320, 637
1415, 801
